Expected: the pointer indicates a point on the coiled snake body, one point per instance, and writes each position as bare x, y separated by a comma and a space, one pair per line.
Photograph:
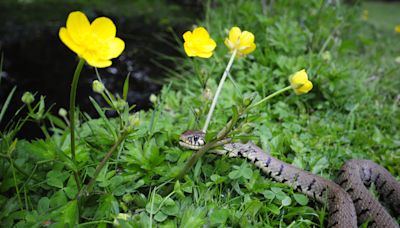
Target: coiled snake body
349, 201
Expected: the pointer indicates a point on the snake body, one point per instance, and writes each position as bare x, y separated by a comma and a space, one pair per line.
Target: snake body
349, 202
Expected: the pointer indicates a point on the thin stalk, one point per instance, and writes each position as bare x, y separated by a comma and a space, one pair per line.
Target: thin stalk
103, 163
16, 186
269, 97
221, 83
72, 99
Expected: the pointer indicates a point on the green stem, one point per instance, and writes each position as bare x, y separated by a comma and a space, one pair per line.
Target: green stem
221, 83
16, 185
269, 97
103, 163
72, 99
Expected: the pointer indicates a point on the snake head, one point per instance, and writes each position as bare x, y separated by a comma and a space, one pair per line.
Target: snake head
192, 139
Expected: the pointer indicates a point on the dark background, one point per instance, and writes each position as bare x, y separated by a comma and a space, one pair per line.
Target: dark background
35, 60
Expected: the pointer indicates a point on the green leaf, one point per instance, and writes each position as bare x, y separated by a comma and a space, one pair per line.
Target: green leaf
108, 205
269, 194
286, 201
126, 88
219, 216
160, 217
170, 208
301, 199
235, 174
273, 208
58, 199
56, 121
246, 172
6, 103
56, 178
193, 218
43, 205
153, 204
71, 190
70, 214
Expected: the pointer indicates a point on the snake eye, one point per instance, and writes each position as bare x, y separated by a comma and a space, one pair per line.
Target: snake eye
195, 138
201, 142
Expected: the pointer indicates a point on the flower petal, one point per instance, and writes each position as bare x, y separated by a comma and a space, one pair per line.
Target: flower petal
115, 47
201, 33
187, 36
249, 49
67, 40
78, 26
246, 38
305, 88
99, 63
234, 34
188, 49
104, 28
204, 54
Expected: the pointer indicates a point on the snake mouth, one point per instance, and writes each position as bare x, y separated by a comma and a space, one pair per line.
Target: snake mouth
188, 145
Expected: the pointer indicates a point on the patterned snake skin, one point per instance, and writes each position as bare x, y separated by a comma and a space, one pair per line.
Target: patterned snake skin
349, 201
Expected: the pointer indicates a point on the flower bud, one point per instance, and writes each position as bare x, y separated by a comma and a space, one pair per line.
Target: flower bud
247, 128
62, 112
153, 98
248, 98
326, 55
27, 98
134, 120
98, 87
207, 94
120, 104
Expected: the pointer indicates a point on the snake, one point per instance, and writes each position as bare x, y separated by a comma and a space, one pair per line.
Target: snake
349, 202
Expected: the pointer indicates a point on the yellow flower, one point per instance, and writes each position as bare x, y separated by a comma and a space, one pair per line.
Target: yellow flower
300, 83
95, 42
198, 43
243, 42
397, 29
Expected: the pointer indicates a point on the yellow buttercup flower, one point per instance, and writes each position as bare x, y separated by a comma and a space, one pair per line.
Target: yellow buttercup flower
242, 42
300, 83
198, 43
397, 29
95, 42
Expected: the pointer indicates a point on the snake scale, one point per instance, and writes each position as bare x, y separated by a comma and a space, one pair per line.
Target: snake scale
349, 202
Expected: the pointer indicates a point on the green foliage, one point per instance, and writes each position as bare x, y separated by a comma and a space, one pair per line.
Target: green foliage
352, 112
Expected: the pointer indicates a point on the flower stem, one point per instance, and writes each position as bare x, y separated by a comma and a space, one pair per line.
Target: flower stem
103, 163
269, 97
221, 83
72, 98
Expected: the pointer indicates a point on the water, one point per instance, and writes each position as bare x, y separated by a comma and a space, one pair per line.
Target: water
36, 60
